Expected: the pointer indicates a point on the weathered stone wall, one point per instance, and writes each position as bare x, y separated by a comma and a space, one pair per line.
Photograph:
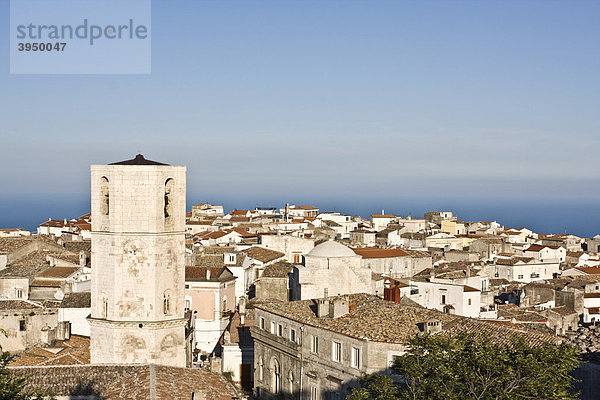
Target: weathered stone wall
272, 288
138, 271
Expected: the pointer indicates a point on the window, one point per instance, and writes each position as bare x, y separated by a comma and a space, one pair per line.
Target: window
105, 308
275, 377
314, 344
293, 335
443, 299
356, 357
231, 258
273, 328
187, 305
336, 351
314, 393
469, 302
105, 193
261, 370
224, 304
520, 277
22, 325
168, 207
19, 293
166, 303
262, 323
279, 330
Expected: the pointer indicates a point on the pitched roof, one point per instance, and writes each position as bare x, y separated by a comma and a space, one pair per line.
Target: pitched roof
371, 252
74, 351
262, 254
77, 300
277, 270
58, 272
198, 274
134, 382
138, 160
379, 320
540, 247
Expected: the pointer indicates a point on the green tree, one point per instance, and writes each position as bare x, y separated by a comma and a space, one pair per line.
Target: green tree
375, 387
440, 367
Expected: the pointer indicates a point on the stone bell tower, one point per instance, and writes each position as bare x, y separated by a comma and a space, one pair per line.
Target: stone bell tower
138, 266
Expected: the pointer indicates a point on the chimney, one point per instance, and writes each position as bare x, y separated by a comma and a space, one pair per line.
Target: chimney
208, 273
322, 308
338, 307
242, 309
432, 325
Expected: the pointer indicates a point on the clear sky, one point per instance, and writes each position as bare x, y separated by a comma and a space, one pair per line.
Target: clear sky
396, 104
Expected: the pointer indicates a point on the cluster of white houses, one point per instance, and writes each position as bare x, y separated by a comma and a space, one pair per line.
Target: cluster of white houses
288, 300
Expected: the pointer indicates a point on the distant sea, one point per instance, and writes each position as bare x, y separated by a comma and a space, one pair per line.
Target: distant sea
581, 218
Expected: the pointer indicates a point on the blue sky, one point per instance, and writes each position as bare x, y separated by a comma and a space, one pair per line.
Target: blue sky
396, 104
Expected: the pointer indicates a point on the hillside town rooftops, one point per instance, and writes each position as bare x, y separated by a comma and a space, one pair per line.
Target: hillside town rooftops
374, 319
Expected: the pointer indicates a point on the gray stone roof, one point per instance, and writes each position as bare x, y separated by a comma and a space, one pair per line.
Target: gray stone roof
77, 300
132, 382
374, 319
277, 270
138, 160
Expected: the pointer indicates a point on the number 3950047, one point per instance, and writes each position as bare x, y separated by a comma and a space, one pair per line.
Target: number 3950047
41, 46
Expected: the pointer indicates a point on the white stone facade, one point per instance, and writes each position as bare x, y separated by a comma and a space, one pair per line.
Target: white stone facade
138, 270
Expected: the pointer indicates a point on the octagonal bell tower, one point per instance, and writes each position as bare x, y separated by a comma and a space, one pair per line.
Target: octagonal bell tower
138, 266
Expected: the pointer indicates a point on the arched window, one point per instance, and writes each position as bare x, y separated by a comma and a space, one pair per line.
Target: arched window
291, 381
105, 196
167, 303
169, 186
261, 370
105, 307
224, 304
275, 376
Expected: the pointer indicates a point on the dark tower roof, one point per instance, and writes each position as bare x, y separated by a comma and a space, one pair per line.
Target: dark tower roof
138, 160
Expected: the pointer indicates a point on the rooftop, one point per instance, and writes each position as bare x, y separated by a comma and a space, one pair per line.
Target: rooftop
138, 160
331, 249
133, 381
379, 320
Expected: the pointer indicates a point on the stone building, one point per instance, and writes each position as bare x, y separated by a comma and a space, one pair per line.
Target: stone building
318, 349
332, 269
138, 266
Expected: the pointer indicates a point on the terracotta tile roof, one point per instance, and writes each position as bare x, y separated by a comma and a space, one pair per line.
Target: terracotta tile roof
46, 283
277, 270
589, 270
383, 216
540, 247
591, 295
58, 272
132, 382
379, 320
470, 289
303, 208
77, 300
18, 305
370, 252
262, 254
217, 274
74, 351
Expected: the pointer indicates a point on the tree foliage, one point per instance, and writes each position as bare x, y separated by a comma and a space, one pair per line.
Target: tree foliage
439, 367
